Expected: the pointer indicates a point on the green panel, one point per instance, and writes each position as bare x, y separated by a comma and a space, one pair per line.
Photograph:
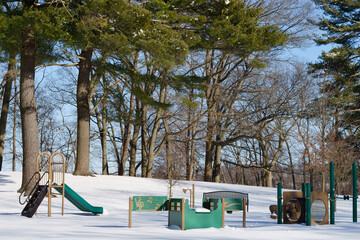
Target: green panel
279, 203
203, 220
175, 212
78, 201
233, 204
175, 218
149, 203
192, 218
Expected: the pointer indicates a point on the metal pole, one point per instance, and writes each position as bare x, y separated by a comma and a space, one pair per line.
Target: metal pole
303, 188
308, 204
332, 194
279, 203
355, 193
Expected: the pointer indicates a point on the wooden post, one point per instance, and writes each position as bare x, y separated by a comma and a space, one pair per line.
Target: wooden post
183, 214
63, 184
50, 186
223, 213
193, 195
130, 211
244, 212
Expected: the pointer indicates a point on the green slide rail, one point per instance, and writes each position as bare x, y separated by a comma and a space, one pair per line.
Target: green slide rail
78, 201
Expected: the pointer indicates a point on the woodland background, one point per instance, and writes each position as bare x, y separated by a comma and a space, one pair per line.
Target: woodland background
196, 90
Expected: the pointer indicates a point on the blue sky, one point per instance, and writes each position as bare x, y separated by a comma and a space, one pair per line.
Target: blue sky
309, 53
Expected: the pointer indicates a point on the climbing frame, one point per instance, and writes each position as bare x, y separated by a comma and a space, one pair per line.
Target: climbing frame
54, 165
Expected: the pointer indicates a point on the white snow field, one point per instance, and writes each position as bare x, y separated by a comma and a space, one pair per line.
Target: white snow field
113, 192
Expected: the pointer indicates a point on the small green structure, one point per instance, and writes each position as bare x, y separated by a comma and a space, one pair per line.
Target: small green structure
180, 214
295, 207
147, 203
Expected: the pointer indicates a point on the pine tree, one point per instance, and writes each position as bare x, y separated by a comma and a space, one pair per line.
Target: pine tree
341, 24
228, 33
30, 29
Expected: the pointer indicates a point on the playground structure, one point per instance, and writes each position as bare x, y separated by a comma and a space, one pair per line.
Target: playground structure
50, 173
227, 194
180, 214
147, 203
308, 207
192, 195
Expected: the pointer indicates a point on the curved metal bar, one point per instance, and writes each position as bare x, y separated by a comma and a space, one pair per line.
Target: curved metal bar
34, 188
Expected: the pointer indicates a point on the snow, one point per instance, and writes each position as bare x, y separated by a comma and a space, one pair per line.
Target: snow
113, 192
201, 210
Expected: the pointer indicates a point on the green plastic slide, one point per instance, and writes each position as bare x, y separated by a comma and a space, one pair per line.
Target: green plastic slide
78, 201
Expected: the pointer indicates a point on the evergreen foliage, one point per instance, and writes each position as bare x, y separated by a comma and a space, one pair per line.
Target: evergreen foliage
341, 24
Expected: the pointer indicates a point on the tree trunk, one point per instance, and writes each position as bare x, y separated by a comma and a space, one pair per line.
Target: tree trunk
209, 153
101, 123
8, 79
192, 160
113, 141
168, 159
217, 164
187, 153
127, 136
133, 149
169, 174
291, 165
82, 166
29, 124
152, 142
105, 165
268, 178
144, 154
14, 130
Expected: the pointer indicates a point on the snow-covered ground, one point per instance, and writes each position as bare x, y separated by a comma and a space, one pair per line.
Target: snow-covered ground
113, 192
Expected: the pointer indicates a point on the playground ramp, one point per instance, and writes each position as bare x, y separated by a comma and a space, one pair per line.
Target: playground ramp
35, 201
78, 201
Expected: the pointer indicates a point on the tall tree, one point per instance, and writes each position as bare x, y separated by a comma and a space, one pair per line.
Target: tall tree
9, 78
341, 25
33, 28
97, 29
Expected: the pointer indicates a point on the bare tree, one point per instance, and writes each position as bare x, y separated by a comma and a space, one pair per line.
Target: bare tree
9, 78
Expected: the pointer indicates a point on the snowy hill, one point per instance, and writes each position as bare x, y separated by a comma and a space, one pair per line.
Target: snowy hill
113, 192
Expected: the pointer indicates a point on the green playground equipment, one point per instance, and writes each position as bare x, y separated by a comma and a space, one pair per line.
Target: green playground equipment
78, 201
307, 202
50, 174
180, 214
147, 203
332, 193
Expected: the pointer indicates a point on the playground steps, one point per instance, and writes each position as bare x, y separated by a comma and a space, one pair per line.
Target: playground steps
35, 201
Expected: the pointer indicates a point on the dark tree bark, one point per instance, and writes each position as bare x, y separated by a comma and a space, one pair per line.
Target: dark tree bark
28, 110
82, 166
127, 137
8, 79
133, 149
